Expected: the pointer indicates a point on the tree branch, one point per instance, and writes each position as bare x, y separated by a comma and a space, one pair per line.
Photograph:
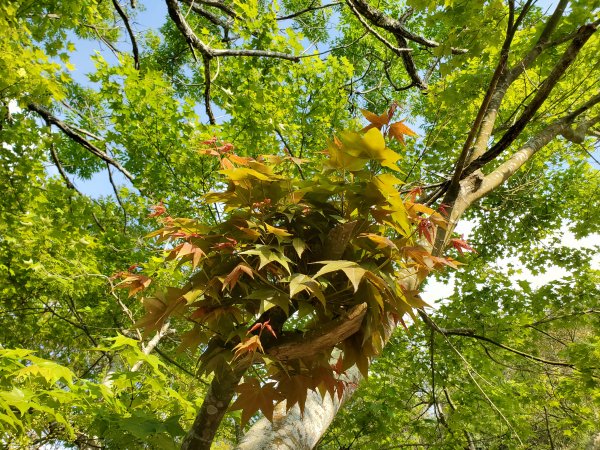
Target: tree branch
398, 51
216, 20
508, 77
220, 4
70, 132
136, 54
394, 26
215, 404
151, 345
454, 186
208, 52
583, 35
207, 83
470, 333
315, 342
309, 9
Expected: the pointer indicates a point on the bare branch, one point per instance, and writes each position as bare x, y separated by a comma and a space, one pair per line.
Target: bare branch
220, 4
216, 20
454, 186
117, 196
207, 51
289, 151
151, 345
509, 77
207, 83
470, 333
524, 154
136, 53
69, 131
61, 170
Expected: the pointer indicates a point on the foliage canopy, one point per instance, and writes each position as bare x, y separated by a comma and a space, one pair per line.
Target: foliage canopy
288, 249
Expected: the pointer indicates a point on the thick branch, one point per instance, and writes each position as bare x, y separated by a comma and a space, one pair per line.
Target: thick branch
508, 77
454, 186
394, 26
214, 407
220, 4
51, 119
398, 51
584, 33
315, 342
524, 154
216, 20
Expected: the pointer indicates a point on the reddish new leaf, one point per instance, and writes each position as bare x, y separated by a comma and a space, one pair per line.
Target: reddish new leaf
461, 245
157, 210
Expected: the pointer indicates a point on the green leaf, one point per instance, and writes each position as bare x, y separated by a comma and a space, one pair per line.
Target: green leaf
299, 246
332, 266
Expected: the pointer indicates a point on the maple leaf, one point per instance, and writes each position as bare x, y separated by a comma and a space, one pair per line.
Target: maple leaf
211, 141
414, 192
249, 345
377, 121
262, 326
398, 130
157, 210
187, 251
392, 110
295, 389
134, 282
442, 209
253, 397
233, 277
225, 245
461, 245
425, 228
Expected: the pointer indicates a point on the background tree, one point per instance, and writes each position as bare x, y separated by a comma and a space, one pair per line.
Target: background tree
505, 97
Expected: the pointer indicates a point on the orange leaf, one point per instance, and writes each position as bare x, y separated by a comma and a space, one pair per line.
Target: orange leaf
398, 130
249, 345
135, 283
377, 121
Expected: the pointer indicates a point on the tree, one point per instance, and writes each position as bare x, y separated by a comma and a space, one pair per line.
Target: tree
505, 98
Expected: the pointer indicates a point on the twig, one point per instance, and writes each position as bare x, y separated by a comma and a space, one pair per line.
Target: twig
309, 9
289, 151
471, 334
116, 191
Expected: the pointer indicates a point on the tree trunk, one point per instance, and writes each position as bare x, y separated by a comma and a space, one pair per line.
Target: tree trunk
294, 431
